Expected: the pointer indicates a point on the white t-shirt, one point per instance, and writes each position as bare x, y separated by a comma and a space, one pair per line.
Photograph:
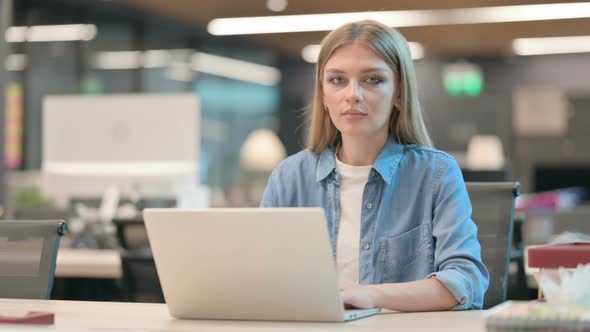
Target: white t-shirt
352, 186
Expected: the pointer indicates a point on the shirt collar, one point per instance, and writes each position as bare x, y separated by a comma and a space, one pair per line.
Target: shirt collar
326, 164
388, 159
386, 163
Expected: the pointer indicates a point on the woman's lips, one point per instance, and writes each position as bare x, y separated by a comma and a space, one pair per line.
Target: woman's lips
354, 115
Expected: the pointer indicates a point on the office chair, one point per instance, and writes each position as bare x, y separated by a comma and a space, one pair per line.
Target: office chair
28, 251
470, 175
493, 213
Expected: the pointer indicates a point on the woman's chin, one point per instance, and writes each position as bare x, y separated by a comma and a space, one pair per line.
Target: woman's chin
354, 131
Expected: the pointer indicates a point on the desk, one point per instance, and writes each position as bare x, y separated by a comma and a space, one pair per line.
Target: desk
88, 263
70, 315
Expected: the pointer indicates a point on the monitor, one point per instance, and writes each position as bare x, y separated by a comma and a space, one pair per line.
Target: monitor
552, 177
145, 142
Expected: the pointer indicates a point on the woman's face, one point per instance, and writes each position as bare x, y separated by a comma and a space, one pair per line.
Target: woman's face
359, 91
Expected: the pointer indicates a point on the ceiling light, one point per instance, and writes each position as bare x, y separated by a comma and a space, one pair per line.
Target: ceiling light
49, 33
117, 60
177, 60
401, 18
16, 34
235, 69
16, 62
156, 58
416, 50
311, 52
551, 45
164, 58
180, 71
276, 5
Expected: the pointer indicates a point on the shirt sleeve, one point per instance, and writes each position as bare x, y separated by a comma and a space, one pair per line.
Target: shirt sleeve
269, 198
457, 258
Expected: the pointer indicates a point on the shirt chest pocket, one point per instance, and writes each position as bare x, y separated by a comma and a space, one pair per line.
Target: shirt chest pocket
406, 257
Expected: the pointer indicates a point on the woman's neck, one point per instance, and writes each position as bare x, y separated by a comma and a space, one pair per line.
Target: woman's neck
361, 150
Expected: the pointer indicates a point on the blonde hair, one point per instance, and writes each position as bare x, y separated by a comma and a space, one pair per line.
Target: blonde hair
405, 124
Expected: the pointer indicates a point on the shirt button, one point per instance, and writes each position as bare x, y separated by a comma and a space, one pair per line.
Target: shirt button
369, 205
366, 246
372, 173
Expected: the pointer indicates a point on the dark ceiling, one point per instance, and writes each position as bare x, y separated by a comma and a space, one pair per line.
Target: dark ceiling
442, 40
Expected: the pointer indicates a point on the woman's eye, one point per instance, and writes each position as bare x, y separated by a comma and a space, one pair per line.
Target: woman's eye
336, 80
373, 80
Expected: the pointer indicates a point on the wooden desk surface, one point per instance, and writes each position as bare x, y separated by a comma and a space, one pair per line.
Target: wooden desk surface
88, 263
72, 315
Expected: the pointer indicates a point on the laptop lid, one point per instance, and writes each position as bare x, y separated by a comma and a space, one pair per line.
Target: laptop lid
259, 264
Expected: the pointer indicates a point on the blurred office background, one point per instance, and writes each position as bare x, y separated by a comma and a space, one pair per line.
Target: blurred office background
506, 90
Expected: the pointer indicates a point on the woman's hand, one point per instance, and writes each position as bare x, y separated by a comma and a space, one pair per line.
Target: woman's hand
360, 297
421, 295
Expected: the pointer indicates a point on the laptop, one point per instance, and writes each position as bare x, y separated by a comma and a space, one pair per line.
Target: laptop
247, 264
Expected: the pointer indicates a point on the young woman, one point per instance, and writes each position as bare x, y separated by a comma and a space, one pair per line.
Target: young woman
398, 211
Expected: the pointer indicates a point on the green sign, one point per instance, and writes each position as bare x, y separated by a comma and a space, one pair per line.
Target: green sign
462, 79
468, 83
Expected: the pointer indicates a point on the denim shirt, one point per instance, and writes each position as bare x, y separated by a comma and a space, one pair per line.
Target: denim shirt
415, 219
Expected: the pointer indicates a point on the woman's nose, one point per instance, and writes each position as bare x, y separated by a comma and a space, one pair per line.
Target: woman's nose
354, 93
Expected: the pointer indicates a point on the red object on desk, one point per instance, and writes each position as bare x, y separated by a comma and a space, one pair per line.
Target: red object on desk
32, 317
559, 255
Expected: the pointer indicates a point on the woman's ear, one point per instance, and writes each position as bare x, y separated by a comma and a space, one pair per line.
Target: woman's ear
396, 102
